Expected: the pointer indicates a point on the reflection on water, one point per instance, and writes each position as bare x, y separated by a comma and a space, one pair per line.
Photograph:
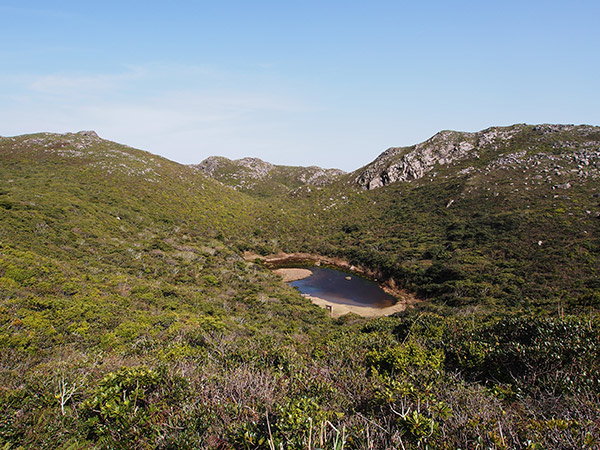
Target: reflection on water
334, 286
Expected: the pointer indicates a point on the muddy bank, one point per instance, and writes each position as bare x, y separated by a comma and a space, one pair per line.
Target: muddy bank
281, 260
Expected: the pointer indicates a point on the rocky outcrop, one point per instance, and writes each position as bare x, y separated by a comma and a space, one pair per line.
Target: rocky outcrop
411, 163
316, 176
404, 164
253, 173
89, 133
254, 168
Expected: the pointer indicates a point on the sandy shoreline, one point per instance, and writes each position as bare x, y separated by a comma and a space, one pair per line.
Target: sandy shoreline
294, 274
336, 310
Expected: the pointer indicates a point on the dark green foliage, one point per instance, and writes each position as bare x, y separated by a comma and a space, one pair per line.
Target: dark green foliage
562, 356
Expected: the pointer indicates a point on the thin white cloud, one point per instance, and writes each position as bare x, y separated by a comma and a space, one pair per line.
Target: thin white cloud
74, 85
162, 84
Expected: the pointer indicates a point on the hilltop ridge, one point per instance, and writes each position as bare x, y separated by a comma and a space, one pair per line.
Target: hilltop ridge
255, 176
545, 142
452, 147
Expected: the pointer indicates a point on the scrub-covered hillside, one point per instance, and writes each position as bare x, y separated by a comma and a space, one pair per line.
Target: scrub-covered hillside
129, 317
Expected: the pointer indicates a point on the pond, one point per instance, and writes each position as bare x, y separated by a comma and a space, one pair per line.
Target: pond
343, 288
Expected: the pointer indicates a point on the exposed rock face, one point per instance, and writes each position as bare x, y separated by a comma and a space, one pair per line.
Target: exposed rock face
89, 133
411, 163
449, 147
209, 165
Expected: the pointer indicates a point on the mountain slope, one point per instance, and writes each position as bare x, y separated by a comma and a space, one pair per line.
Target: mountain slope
101, 243
451, 148
54, 166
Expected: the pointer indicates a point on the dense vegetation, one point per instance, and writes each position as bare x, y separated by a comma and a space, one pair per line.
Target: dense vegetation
129, 318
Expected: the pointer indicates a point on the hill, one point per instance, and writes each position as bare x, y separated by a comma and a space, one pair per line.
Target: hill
130, 319
543, 143
257, 177
111, 256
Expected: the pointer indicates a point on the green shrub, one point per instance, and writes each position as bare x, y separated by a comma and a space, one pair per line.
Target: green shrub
126, 409
406, 359
562, 355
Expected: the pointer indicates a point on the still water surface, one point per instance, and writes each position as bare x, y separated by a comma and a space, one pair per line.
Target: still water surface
332, 285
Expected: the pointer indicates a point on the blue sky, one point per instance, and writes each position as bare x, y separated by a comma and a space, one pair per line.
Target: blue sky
329, 83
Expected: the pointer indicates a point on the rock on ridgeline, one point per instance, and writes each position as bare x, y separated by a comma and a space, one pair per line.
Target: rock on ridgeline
250, 173
253, 168
411, 163
89, 133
